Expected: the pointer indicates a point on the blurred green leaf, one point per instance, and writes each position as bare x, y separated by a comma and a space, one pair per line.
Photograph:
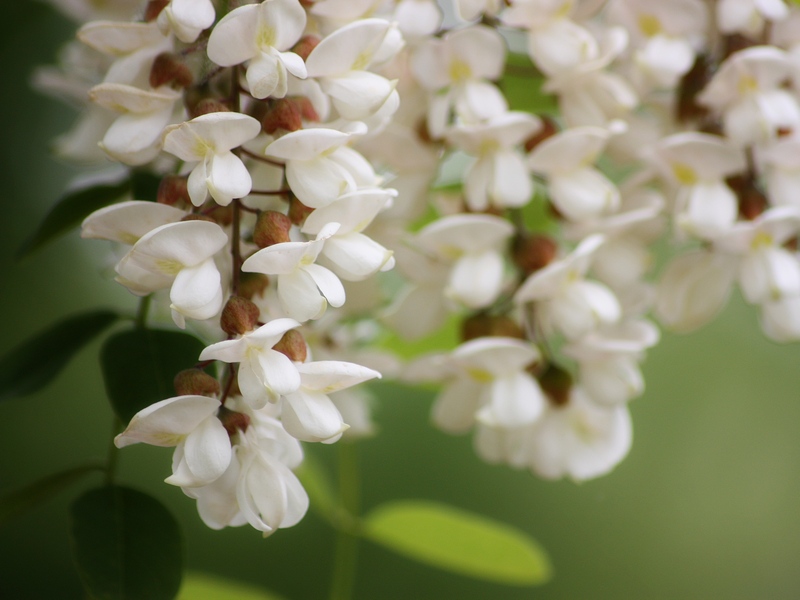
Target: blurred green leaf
317, 484
70, 210
459, 541
126, 545
199, 586
29, 497
33, 364
139, 366
522, 86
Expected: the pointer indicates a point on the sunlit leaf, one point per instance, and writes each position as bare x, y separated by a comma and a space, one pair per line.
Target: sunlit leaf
459, 541
200, 586
126, 545
70, 211
32, 495
33, 364
139, 366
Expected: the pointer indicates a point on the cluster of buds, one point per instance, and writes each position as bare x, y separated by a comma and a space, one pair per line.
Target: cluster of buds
274, 127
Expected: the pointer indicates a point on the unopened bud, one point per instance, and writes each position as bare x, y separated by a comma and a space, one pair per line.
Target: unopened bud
282, 114
271, 228
173, 190
233, 422
734, 43
252, 284
690, 86
306, 44
556, 383
306, 108
298, 211
533, 252
198, 217
221, 215
239, 316
194, 382
169, 68
752, 201
293, 345
483, 325
549, 129
154, 8
207, 106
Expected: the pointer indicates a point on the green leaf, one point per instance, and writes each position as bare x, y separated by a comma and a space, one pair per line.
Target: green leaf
522, 86
317, 484
33, 364
139, 366
70, 210
126, 545
199, 586
25, 499
459, 541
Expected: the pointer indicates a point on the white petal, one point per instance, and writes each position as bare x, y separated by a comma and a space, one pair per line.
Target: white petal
476, 279
354, 256
233, 39
208, 451
167, 422
197, 292
311, 416
228, 178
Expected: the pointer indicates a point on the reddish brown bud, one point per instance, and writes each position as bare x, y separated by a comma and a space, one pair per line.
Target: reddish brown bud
306, 44
194, 382
207, 106
734, 43
154, 8
173, 190
169, 68
198, 217
423, 133
533, 252
306, 108
282, 114
292, 345
483, 325
691, 84
792, 244
556, 383
239, 316
233, 422
252, 284
752, 201
222, 215
549, 129
298, 211
271, 228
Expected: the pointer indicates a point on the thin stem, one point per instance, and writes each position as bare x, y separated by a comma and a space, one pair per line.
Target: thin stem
113, 452
141, 313
346, 552
261, 157
236, 249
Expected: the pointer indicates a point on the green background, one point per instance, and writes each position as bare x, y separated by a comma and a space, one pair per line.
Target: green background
705, 505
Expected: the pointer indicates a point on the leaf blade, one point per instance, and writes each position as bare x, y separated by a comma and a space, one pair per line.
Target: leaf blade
126, 545
201, 586
459, 541
36, 362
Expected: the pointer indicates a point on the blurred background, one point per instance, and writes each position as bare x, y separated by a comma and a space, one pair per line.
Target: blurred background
707, 504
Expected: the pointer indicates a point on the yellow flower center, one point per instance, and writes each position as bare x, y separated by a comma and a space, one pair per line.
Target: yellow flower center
685, 174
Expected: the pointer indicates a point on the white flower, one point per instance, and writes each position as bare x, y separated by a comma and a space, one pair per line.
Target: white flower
264, 374
304, 288
186, 18
127, 222
748, 16
203, 449
261, 33
208, 141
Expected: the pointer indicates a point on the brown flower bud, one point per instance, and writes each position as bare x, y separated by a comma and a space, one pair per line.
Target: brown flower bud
752, 201
198, 217
239, 316
533, 252
306, 44
207, 106
306, 108
734, 43
293, 345
252, 284
221, 215
233, 422
271, 228
170, 68
194, 382
549, 129
556, 383
693, 81
173, 190
154, 8
483, 325
298, 211
282, 114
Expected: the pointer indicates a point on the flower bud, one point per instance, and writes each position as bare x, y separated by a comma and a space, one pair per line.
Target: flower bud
207, 106
221, 215
239, 316
736, 42
483, 325
549, 128
194, 382
298, 211
293, 345
198, 217
169, 68
690, 85
282, 114
173, 190
233, 422
306, 108
306, 44
556, 383
533, 252
252, 284
271, 228
752, 201
154, 8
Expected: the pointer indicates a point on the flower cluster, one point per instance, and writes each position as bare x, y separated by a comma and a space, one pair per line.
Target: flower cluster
275, 127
